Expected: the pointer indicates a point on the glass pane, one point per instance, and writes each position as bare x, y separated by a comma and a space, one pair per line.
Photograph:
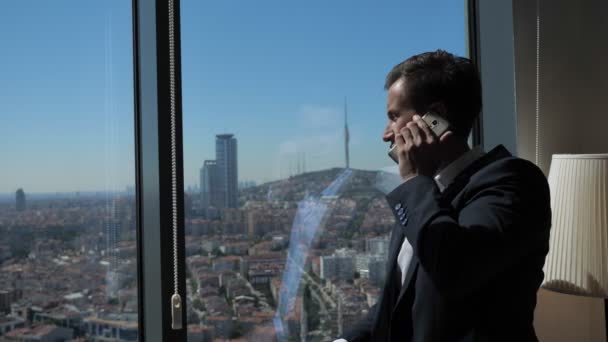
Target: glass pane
287, 225
67, 206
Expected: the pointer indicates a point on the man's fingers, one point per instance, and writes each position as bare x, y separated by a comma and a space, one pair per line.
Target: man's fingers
414, 132
407, 137
399, 140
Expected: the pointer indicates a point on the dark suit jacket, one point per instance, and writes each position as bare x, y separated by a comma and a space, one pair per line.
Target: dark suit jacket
479, 249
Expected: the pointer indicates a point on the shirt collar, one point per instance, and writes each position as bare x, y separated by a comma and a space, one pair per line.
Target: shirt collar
450, 172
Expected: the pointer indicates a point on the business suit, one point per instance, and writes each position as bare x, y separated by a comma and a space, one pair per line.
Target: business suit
479, 248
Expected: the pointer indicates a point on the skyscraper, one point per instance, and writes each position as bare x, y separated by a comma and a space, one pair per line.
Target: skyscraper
219, 177
20, 200
346, 136
226, 158
209, 184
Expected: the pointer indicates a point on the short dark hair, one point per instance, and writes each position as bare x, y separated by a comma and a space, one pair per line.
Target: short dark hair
439, 76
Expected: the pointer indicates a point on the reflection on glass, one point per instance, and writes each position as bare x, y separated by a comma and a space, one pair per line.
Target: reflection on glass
67, 205
298, 252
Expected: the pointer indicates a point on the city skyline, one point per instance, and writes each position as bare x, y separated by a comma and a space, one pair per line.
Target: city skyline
280, 91
257, 251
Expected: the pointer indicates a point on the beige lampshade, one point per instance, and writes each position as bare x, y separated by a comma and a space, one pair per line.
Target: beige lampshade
577, 262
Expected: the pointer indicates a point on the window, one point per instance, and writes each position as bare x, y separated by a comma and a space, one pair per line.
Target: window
68, 251
286, 224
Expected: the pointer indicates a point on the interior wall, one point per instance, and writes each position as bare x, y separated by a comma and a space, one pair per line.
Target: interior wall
573, 119
496, 63
573, 77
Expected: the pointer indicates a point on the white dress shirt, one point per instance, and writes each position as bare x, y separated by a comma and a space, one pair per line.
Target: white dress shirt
442, 179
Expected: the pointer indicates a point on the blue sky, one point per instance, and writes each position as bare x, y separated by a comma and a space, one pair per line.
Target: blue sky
273, 74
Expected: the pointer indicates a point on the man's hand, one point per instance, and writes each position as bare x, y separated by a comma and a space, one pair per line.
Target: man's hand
418, 149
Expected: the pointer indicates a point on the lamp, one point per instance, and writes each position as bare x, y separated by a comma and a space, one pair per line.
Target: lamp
577, 262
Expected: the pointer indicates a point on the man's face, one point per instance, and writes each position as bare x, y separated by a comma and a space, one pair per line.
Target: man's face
397, 110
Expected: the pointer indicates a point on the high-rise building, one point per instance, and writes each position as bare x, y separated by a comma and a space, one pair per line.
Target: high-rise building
226, 158
209, 184
219, 177
337, 267
340, 265
20, 200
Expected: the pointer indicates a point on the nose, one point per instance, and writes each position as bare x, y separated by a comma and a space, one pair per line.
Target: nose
388, 135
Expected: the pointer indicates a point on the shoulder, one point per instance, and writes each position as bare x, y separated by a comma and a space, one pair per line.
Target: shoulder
510, 168
513, 173
512, 184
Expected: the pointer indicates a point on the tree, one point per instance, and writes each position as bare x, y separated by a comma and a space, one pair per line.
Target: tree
312, 309
193, 285
237, 330
217, 252
198, 304
276, 248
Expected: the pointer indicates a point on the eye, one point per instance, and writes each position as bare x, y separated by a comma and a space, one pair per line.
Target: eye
392, 116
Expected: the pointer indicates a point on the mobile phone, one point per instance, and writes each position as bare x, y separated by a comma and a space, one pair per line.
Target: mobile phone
437, 124
392, 152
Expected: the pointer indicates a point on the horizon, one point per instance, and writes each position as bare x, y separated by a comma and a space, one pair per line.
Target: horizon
4, 195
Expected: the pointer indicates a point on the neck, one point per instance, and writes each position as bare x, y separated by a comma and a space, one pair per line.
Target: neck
451, 152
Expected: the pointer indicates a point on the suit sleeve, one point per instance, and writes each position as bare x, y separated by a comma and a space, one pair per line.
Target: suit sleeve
506, 217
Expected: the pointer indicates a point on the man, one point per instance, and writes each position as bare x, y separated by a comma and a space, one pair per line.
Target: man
465, 261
